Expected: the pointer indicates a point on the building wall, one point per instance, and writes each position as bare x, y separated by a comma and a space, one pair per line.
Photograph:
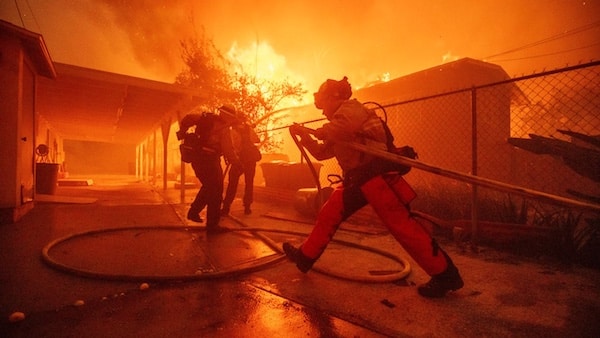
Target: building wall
16, 139
10, 100
23, 57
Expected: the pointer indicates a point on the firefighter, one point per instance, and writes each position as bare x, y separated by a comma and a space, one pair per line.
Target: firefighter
213, 141
245, 141
366, 180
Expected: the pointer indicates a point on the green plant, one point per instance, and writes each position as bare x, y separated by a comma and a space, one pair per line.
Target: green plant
564, 221
586, 241
513, 211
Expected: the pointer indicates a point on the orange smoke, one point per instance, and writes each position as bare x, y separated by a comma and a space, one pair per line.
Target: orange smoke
315, 39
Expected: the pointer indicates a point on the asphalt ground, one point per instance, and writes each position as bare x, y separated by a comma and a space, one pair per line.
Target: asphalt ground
119, 259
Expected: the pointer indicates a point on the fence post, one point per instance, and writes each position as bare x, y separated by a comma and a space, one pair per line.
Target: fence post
474, 199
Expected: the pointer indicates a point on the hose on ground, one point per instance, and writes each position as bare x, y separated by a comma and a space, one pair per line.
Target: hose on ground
238, 270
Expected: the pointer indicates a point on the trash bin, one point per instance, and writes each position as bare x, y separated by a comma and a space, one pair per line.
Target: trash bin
272, 173
289, 175
46, 178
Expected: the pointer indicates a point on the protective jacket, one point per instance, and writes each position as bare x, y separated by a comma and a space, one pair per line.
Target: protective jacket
244, 140
352, 122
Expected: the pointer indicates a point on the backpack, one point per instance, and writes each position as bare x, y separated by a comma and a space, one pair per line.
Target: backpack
189, 148
197, 145
249, 152
406, 151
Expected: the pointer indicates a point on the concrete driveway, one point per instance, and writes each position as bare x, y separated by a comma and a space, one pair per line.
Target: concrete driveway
118, 259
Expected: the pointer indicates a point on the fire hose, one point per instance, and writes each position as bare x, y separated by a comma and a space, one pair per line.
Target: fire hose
380, 277
321, 195
476, 180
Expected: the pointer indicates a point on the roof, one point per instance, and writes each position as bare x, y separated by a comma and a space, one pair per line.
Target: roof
34, 45
460, 74
92, 105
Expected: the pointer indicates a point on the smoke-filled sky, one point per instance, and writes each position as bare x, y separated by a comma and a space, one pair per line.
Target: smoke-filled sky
311, 40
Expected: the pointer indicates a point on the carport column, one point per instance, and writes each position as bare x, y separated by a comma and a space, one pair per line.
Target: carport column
154, 159
141, 166
182, 184
137, 161
165, 129
146, 160
143, 160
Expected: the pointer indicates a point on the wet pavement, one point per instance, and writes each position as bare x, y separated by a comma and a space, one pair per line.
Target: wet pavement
119, 259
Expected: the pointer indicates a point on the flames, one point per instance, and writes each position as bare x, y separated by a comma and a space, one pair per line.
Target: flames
259, 59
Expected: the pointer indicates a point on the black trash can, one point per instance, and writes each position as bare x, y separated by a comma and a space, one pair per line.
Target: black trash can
46, 178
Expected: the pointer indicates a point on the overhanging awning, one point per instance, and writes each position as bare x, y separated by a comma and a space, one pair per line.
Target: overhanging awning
92, 105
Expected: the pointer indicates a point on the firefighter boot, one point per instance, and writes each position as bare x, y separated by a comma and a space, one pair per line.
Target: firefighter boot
440, 284
193, 215
295, 255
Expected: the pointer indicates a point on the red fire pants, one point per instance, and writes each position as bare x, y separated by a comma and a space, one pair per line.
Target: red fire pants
389, 195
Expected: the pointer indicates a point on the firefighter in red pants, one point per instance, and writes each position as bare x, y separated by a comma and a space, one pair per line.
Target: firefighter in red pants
367, 180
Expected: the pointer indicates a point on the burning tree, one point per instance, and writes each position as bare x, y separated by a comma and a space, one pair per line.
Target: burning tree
259, 99
205, 69
224, 81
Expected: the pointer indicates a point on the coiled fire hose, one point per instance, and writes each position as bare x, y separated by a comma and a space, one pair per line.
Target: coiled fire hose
379, 276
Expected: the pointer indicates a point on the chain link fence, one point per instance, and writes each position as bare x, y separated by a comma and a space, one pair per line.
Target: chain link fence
508, 132
539, 132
